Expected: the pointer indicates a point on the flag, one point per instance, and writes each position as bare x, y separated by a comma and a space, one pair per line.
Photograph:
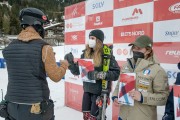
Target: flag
86, 65
127, 84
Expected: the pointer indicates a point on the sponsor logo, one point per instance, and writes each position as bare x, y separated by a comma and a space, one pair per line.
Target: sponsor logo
175, 53
122, 52
74, 12
146, 72
74, 37
135, 15
172, 33
137, 11
171, 74
74, 91
69, 25
133, 33
98, 21
74, 51
98, 5
175, 8
144, 82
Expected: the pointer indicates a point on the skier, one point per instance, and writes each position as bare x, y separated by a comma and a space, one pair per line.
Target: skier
28, 60
94, 50
151, 89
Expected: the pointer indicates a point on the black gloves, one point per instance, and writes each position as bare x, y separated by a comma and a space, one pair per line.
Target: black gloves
94, 75
70, 58
3, 109
73, 67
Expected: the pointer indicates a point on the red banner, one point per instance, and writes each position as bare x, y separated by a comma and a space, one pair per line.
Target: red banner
100, 20
166, 10
126, 3
127, 34
115, 112
76, 10
73, 95
77, 37
167, 52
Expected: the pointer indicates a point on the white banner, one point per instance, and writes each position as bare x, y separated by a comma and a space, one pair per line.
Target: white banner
171, 70
121, 51
75, 49
69, 77
167, 31
75, 24
136, 14
97, 6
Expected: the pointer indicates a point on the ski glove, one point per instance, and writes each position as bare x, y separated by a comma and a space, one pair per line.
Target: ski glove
95, 75
3, 109
70, 58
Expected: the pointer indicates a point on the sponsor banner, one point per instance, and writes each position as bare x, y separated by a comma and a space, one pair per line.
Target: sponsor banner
108, 35
121, 51
75, 37
69, 77
166, 10
167, 52
97, 6
73, 95
167, 31
126, 3
171, 70
127, 34
100, 20
76, 50
137, 14
76, 24
76, 10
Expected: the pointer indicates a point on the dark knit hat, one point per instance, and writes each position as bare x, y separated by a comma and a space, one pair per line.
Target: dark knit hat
98, 34
142, 41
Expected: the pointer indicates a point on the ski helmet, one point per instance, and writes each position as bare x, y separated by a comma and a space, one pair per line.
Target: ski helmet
32, 16
35, 18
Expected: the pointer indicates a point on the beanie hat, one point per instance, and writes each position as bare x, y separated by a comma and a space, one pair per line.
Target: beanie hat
98, 34
142, 41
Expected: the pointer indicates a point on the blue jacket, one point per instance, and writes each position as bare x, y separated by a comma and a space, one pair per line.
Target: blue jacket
169, 108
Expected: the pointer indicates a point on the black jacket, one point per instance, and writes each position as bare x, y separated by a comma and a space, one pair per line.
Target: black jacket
169, 108
26, 73
96, 88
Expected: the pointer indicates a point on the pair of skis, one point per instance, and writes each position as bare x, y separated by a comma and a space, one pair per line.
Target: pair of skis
103, 100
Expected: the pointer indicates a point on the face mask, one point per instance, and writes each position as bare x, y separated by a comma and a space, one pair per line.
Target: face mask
137, 55
92, 43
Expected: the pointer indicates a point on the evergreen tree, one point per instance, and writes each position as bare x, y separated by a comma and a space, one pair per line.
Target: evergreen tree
1, 16
6, 24
53, 8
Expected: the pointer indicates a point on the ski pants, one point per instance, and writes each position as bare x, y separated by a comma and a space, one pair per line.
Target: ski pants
22, 112
89, 103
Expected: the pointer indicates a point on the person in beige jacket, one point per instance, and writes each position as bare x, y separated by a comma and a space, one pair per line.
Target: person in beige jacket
151, 88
